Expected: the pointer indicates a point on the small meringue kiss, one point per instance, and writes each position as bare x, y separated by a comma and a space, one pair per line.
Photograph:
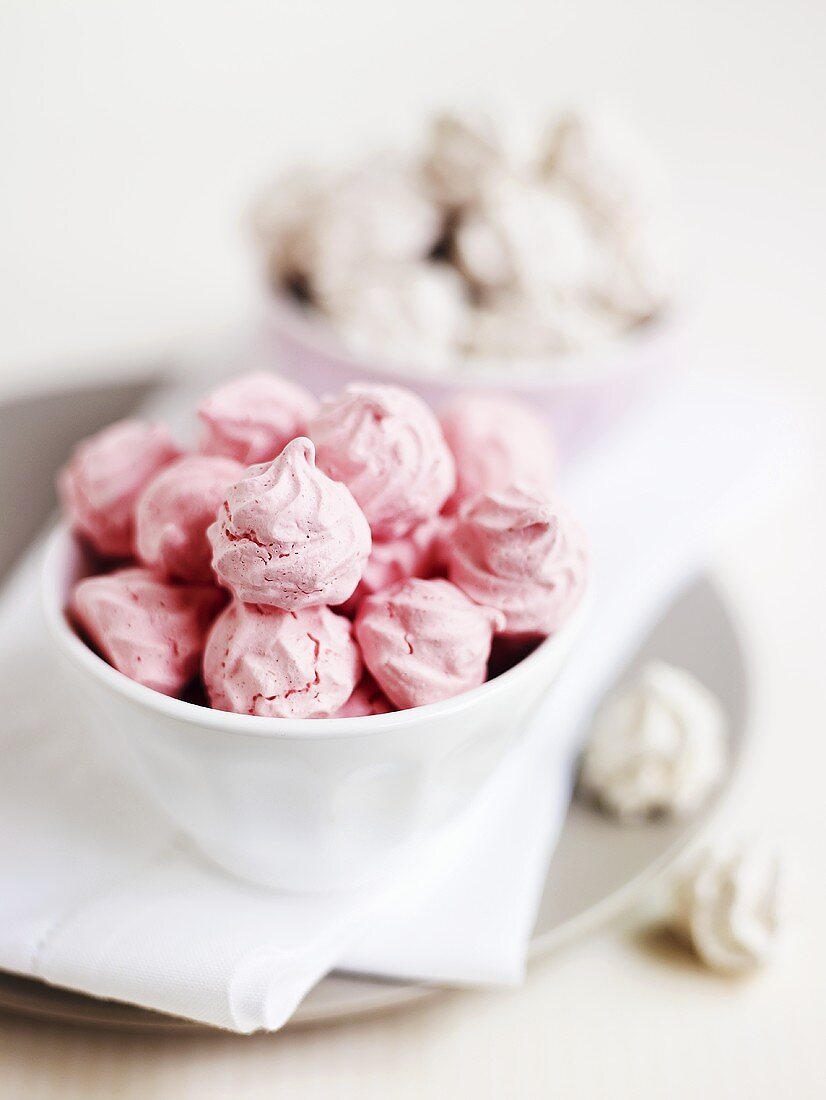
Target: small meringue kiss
514, 550
103, 479
288, 536
254, 416
280, 664
658, 746
386, 445
424, 640
148, 629
175, 510
730, 904
495, 440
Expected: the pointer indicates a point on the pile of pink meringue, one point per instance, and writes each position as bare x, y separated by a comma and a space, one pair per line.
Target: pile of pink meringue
312, 561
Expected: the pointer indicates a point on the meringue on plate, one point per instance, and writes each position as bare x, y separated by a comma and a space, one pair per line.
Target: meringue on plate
657, 746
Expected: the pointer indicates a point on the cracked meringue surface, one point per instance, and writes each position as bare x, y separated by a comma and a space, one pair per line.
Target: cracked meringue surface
515, 550
289, 536
254, 416
657, 746
175, 510
149, 629
285, 537
106, 473
385, 444
729, 906
424, 640
280, 664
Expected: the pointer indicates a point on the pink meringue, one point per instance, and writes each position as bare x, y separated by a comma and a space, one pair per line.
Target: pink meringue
150, 630
288, 536
495, 440
419, 554
367, 698
424, 640
515, 550
253, 417
102, 480
386, 445
280, 664
175, 510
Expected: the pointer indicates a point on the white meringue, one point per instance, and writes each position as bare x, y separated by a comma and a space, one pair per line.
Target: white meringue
465, 148
515, 324
524, 236
407, 314
377, 213
658, 745
729, 907
635, 271
620, 184
598, 158
284, 220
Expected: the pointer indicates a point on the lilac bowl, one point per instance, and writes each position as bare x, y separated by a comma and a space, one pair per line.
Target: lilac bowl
580, 395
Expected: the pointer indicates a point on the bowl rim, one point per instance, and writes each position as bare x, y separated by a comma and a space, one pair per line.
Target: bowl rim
607, 362
69, 643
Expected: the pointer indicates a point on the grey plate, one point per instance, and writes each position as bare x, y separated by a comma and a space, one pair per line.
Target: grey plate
598, 865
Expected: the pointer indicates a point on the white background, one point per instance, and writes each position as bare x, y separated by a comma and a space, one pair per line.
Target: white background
131, 136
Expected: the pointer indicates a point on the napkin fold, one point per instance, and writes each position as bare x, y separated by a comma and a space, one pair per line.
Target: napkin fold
98, 894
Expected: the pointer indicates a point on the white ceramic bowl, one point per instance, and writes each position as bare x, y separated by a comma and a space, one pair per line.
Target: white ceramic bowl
308, 805
580, 395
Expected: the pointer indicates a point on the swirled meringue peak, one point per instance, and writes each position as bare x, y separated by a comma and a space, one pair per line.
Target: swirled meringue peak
424, 640
147, 628
386, 445
102, 480
288, 536
254, 416
495, 440
280, 664
515, 550
175, 510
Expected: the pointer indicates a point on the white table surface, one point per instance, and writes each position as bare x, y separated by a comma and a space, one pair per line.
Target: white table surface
131, 134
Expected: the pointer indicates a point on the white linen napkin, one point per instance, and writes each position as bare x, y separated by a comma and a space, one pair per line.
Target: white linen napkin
98, 894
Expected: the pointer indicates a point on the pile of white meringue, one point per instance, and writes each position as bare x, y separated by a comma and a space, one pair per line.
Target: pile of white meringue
658, 747
490, 246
